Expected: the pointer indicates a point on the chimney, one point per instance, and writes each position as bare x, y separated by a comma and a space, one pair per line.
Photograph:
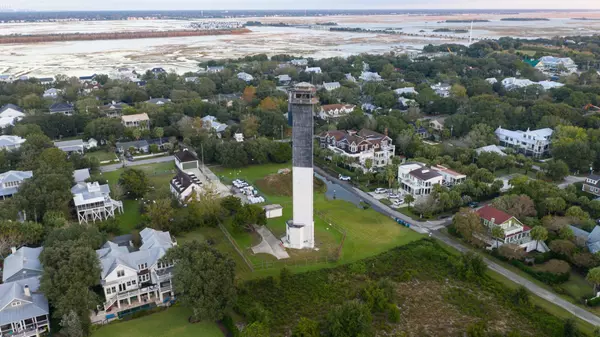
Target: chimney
386, 132
27, 291
13, 250
493, 220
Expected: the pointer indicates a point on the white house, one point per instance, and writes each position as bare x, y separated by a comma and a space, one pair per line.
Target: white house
245, 77
51, 93
407, 90
491, 80
284, 79
350, 78
113, 109
362, 145
441, 89
9, 114
132, 277
512, 83
450, 177
80, 176
368, 76
24, 311
239, 137
407, 102
299, 62
417, 179
10, 143
330, 86
547, 85
332, 111
273, 211
211, 122
185, 185
93, 202
22, 263
491, 148
191, 79
76, 145
514, 231
61, 108
531, 142
552, 64
11, 180
141, 121
214, 69
315, 70
186, 160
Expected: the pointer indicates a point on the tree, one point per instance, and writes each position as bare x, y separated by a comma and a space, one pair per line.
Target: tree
158, 132
467, 223
136, 133
250, 125
390, 175
593, 276
204, 278
539, 233
511, 251
256, 329
352, 318
557, 170
135, 182
249, 94
71, 325
564, 247
306, 328
409, 199
458, 91
519, 206
569, 328
577, 213
159, 213
498, 233
470, 266
70, 269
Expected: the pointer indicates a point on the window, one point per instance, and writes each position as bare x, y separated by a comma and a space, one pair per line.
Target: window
132, 281
120, 273
128, 283
143, 266
108, 291
15, 303
114, 289
144, 278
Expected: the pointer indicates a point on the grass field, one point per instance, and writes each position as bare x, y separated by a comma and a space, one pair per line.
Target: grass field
368, 232
101, 155
159, 174
169, 323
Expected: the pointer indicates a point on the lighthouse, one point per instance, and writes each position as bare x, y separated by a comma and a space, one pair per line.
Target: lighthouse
300, 231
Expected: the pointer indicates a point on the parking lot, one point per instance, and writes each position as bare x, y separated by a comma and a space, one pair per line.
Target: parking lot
395, 198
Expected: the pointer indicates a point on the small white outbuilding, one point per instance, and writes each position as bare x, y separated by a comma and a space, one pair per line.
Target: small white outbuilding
273, 211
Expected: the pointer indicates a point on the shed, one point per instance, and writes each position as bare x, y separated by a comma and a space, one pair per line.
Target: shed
273, 211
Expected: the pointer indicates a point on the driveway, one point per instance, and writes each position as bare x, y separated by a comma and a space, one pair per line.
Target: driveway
114, 167
570, 180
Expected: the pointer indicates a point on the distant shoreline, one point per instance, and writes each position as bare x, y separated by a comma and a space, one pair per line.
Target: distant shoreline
41, 38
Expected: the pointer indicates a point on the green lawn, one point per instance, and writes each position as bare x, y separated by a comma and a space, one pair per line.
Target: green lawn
368, 232
130, 217
169, 323
101, 155
505, 172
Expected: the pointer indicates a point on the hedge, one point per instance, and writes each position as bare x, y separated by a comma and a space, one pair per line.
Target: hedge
546, 277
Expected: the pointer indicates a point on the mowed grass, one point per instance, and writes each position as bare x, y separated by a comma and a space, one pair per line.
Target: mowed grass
159, 174
368, 232
172, 322
102, 155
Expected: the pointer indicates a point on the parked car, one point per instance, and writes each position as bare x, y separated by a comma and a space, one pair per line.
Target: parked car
473, 204
397, 202
392, 195
380, 190
344, 178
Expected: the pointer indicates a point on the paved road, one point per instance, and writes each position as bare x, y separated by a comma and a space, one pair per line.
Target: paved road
534, 288
433, 226
114, 167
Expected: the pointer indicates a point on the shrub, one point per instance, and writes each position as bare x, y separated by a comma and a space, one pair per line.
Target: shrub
555, 267
544, 276
375, 298
352, 318
229, 324
393, 313
593, 302
511, 252
306, 328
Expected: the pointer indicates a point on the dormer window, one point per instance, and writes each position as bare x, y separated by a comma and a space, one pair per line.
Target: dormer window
120, 273
142, 266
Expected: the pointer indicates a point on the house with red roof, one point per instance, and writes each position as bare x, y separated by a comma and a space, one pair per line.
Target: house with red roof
514, 231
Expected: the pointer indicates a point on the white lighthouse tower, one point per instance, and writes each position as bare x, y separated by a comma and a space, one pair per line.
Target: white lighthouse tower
300, 231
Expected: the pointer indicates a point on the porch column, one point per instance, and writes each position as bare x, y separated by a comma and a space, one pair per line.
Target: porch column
118, 302
128, 300
160, 296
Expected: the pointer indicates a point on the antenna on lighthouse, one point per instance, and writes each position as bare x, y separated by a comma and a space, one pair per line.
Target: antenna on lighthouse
471, 33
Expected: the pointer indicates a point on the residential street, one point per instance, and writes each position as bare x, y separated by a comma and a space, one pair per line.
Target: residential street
114, 167
433, 227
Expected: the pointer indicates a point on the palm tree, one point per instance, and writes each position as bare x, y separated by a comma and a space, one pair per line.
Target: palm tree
409, 199
594, 277
497, 233
390, 174
539, 233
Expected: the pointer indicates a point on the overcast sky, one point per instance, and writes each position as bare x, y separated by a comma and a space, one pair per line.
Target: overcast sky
295, 4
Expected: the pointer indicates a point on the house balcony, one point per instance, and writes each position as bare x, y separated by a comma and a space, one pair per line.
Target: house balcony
30, 330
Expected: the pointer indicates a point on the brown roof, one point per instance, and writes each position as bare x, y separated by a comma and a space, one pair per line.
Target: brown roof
424, 173
370, 134
185, 156
488, 212
330, 107
337, 134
